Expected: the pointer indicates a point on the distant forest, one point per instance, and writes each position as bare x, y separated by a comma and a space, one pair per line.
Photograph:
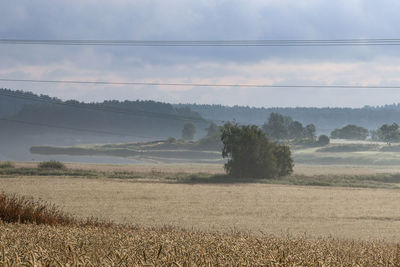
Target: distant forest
126, 117
325, 119
26, 119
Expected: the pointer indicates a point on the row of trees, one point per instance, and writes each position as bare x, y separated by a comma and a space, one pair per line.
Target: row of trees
387, 132
279, 127
284, 128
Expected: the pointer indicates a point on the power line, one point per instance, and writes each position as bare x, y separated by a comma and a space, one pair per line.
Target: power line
222, 43
76, 129
204, 84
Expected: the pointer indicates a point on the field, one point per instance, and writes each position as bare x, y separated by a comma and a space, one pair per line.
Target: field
359, 213
31, 245
338, 152
261, 221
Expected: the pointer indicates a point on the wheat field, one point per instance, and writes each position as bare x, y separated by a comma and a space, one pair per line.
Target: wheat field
176, 224
33, 245
252, 208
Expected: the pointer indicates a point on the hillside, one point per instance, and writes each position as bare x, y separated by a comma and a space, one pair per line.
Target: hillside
27, 119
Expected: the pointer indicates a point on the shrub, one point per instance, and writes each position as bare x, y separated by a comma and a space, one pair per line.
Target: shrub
251, 154
171, 140
52, 164
323, 140
6, 165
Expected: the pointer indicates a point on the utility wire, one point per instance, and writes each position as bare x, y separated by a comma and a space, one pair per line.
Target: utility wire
204, 84
76, 129
223, 43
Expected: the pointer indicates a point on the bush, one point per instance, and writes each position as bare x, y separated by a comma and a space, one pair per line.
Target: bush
323, 140
250, 153
7, 165
171, 140
52, 164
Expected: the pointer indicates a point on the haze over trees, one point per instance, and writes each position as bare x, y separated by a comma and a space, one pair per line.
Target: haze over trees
27, 119
350, 131
188, 131
389, 133
279, 127
324, 119
150, 120
251, 155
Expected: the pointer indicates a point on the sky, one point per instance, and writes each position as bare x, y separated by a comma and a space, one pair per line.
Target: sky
204, 20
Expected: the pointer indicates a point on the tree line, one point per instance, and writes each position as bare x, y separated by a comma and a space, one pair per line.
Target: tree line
325, 119
387, 132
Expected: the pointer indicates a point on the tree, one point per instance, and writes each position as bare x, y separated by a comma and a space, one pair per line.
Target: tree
389, 133
350, 131
296, 130
309, 131
283, 160
251, 154
212, 130
277, 126
188, 131
213, 138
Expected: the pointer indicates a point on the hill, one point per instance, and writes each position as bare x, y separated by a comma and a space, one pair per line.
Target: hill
27, 119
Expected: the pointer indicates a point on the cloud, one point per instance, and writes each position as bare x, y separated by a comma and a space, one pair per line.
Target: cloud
204, 20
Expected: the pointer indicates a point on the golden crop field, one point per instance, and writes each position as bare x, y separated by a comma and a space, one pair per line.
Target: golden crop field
200, 224
255, 208
33, 245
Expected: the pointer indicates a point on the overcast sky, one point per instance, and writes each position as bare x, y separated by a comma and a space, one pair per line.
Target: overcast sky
204, 20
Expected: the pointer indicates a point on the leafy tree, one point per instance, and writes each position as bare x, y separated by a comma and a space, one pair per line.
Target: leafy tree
389, 133
296, 130
276, 127
212, 129
213, 138
323, 140
251, 154
188, 131
374, 135
309, 131
350, 131
283, 160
